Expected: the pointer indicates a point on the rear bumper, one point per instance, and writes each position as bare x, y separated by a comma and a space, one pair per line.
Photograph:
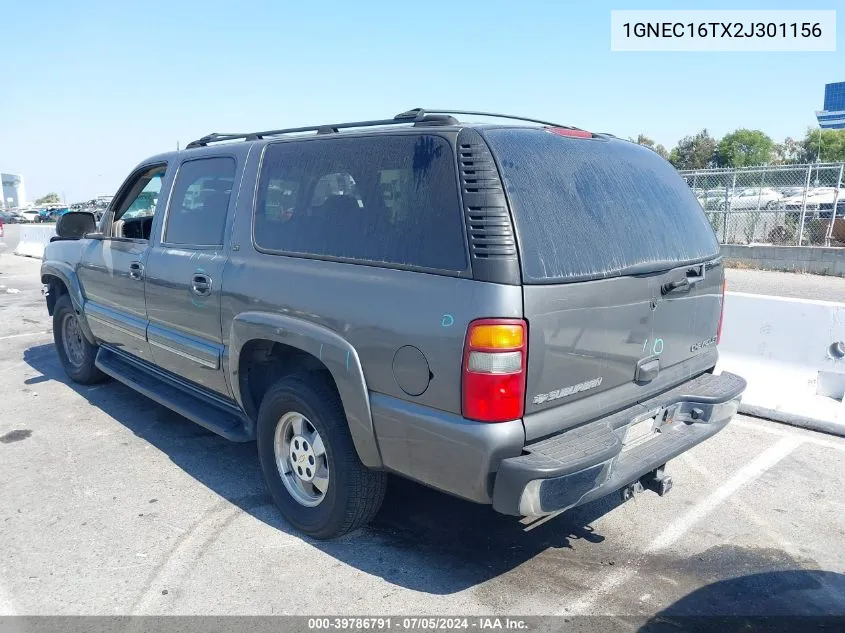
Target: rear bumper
590, 461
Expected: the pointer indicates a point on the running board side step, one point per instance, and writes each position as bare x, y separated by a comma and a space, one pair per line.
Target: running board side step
218, 417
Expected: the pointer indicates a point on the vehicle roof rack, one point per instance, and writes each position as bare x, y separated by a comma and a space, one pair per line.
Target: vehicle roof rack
417, 116
425, 111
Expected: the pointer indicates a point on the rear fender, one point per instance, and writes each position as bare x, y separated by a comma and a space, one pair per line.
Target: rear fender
335, 352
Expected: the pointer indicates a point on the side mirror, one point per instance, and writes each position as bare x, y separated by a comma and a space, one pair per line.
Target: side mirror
75, 224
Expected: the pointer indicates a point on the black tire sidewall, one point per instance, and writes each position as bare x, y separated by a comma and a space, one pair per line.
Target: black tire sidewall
87, 372
298, 395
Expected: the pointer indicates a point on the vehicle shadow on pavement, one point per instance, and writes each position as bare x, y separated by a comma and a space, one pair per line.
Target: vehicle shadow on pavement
794, 600
421, 539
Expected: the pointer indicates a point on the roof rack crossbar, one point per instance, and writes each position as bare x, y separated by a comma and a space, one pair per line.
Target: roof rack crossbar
416, 115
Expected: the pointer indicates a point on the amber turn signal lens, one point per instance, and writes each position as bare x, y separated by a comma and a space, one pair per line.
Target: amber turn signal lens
496, 336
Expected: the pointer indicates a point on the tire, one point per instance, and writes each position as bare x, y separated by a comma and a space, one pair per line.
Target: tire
353, 493
77, 358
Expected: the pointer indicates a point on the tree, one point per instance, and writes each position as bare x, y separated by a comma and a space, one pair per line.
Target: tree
645, 141
788, 152
744, 148
832, 146
694, 152
50, 198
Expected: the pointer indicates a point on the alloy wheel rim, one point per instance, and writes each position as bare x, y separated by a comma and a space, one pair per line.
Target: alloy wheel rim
72, 340
301, 459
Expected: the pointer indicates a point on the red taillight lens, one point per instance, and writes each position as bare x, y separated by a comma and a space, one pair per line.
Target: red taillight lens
494, 370
721, 313
565, 131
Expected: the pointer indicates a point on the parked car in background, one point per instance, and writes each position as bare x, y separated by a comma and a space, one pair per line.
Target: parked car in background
819, 203
30, 215
749, 198
11, 217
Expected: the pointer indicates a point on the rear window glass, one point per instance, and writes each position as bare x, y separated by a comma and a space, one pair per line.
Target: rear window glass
589, 209
388, 199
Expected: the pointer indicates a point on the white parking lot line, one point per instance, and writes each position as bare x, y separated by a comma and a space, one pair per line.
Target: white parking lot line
775, 428
745, 475
675, 530
44, 332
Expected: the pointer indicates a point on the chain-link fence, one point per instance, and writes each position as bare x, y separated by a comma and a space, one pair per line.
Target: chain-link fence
801, 205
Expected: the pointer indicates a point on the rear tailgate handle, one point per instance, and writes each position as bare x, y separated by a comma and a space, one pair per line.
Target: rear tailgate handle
647, 369
692, 277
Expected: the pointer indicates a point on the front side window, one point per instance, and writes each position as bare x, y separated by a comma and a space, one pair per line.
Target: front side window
133, 217
200, 202
382, 199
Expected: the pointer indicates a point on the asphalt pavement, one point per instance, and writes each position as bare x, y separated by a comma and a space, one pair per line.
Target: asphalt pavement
111, 504
783, 284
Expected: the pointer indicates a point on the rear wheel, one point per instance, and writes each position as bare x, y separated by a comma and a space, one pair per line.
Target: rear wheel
75, 352
309, 462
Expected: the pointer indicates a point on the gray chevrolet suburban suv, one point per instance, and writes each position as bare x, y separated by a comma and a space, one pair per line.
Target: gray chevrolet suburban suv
522, 314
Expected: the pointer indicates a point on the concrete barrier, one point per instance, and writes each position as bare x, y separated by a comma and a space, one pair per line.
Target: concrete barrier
792, 353
33, 239
798, 259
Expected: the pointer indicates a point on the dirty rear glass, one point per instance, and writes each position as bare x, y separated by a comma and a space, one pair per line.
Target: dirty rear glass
591, 209
387, 199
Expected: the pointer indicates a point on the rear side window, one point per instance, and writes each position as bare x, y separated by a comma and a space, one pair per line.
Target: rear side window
590, 209
382, 199
200, 202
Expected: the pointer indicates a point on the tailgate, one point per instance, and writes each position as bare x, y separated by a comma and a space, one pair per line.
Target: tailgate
615, 341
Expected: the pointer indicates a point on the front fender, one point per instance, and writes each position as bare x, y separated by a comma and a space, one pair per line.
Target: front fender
67, 275
335, 352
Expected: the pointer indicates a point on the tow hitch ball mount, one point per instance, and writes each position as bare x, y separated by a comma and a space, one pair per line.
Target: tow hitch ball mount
657, 480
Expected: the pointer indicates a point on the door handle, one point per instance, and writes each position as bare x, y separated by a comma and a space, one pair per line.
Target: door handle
690, 278
201, 285
136, 270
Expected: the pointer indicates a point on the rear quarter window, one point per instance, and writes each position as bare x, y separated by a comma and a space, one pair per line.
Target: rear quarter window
596, 208
381, 199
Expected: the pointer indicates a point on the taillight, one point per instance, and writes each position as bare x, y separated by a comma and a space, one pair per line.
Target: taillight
568, 131
721, 313
494, 370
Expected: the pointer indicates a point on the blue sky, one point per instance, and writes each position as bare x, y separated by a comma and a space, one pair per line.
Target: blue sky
91, 88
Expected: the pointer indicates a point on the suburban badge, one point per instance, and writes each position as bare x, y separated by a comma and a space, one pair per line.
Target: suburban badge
540, 398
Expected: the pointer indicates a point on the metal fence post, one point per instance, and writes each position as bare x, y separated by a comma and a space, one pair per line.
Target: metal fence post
804, 206
728, 206
829, 235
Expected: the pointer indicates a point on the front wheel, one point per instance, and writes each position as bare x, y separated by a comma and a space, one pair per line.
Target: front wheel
309, 461
75, 352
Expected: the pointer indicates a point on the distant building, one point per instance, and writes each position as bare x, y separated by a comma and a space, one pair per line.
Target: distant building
13, 191
833, 115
